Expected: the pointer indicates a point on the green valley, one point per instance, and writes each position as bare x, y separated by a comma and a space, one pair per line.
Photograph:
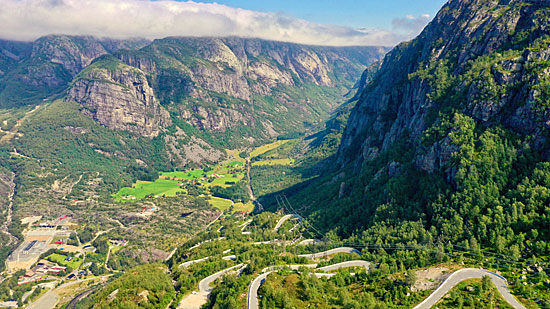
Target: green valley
218, 171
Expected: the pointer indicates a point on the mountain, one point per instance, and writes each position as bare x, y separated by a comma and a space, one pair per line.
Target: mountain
120, 111
476, 57
449, 140
42, 69
82, 117
239, 91
196, 96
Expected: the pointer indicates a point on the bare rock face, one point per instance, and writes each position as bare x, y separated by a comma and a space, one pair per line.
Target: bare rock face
72, 53
220, 84
40, 70
496, 80
120, 98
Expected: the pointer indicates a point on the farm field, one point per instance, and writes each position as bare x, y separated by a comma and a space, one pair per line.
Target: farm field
227, 179
234, 155
191, 175
220, 203
265, 148
168, 184
142, 189
286, 161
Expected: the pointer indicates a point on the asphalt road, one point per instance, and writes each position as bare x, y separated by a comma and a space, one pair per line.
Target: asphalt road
189, 263
50, 298
204, 284
206, 241
357, 263
284, 219
331, 251
197, 299
464, 274
252, 302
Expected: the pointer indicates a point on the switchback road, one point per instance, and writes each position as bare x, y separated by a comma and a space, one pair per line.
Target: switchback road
284, 219
469, 273
331, 251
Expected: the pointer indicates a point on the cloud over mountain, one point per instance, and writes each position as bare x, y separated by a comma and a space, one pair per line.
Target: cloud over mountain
29, 19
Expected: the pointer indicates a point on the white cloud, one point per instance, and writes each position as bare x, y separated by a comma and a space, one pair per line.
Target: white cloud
410, 25
30, 19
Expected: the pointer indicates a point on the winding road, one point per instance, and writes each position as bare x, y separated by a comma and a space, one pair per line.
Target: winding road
331, 251
469, 273
196, 300
50, 298
284, 219
189, 263
252, 301
357, 263
5, 226
206, 241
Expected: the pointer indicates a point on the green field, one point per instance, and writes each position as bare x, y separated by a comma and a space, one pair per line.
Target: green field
142, 189
235, 164
192, 175
220, 203
228, 178
60, 259
286, 161
231, 172
265, 148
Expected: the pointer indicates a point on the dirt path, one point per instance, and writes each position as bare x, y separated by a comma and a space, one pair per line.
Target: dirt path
14, 130
119, 223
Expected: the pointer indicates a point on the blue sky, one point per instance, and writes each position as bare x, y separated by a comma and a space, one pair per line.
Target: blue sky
353, 13
315, 22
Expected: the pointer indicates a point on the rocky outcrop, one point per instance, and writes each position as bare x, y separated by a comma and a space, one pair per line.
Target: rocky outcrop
477, 56
219, 84
41, 70
72, 53
119, 97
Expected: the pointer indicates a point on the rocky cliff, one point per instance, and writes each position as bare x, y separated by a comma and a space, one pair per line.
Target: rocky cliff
485, 59
252, 88
32, 72
119, 97
448, 143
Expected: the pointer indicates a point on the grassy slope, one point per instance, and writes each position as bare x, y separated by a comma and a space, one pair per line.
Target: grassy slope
142, 189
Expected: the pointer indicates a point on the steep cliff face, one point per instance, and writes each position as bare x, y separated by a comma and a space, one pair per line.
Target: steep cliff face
119, 97
31, 72
252, 88
449, 141
485, 59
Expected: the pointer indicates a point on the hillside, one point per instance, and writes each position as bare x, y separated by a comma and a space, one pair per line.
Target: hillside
35, 71
82, 117
243, 91
274, 175
449, 142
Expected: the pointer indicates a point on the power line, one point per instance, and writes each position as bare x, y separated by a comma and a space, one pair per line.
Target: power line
283, 200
